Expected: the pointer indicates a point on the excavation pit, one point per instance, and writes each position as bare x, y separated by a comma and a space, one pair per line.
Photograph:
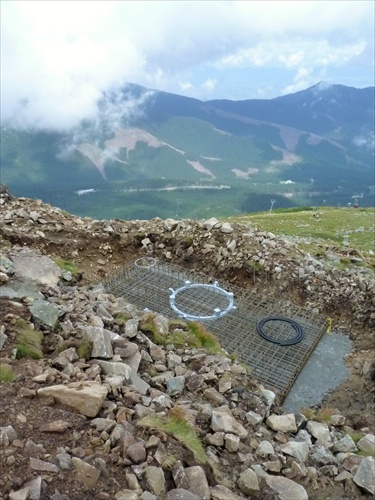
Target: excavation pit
231, 313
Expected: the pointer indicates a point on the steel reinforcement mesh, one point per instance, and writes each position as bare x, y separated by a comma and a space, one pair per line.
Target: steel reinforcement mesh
274, 366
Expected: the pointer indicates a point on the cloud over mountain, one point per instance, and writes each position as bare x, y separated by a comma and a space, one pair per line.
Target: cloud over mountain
58, 58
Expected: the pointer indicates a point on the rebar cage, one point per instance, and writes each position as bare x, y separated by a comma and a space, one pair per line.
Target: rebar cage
148, 284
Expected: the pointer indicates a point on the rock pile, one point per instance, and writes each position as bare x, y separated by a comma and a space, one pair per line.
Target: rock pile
111, 408
229, 251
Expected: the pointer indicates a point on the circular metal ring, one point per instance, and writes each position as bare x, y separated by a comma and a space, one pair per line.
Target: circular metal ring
296, 326
145, 262
217, 312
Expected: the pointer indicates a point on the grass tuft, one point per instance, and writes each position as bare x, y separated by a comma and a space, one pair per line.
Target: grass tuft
323, 415
67, 265
121, 318
205, 338
29, 344
177, 426
84, 349
6, 373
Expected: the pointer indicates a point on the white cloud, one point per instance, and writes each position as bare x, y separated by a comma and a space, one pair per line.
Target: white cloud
59, 57
301, 80
209, 84
185, 86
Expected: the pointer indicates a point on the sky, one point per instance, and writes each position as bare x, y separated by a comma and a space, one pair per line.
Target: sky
59, 57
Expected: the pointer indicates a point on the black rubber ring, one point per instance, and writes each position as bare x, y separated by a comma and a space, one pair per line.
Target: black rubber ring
297, 327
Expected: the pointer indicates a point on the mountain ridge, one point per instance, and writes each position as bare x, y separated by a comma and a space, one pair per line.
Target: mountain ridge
329, 130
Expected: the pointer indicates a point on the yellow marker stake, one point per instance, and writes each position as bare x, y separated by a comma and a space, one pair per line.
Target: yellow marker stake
329, 328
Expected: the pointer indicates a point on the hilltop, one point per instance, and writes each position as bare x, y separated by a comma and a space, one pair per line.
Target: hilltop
126, 434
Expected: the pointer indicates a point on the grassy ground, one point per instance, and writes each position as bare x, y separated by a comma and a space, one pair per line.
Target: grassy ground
341, 228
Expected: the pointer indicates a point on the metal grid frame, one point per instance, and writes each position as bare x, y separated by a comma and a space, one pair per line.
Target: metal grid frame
275, 367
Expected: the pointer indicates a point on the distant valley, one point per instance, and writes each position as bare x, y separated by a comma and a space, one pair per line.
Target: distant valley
180, 157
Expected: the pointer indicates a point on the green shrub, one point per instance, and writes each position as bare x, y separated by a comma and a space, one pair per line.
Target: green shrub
253, 265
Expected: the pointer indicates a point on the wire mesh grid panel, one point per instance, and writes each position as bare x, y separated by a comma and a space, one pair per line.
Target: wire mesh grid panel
275, 366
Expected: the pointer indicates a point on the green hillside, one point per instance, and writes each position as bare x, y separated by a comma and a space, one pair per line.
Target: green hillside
193, 158
347, 232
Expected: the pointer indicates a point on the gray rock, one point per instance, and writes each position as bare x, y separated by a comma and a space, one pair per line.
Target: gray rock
211, 223
346, 444
114, 368
64, 461
85, 473
7, 291
22, 494
253, 418
40, 269
179, 476
216, 439
3, 339
101, 339
114, 381
127, 350
226, 228
6, 263
365, 475
213, 395
322, 456
269, 397
298, 450
223, 421
7, 435
248, 482
273, 466
343, 476
70, 354
367, 443
136, 452
86, 397
35, 488
282, 423
220, 492
139, 384
286, 488
265, 448
304, 436
337, 420
181, 494
320, 431
4, 278
162, 324
146, 495
175, 385
40, 465
173, 360
134, 361
155, 480
131, 328
103, 424
231, 245
157, 353
44, 313
232, 442
198, 483
127, 495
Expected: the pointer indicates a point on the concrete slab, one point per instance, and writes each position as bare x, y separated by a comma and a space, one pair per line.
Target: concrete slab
324, 371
